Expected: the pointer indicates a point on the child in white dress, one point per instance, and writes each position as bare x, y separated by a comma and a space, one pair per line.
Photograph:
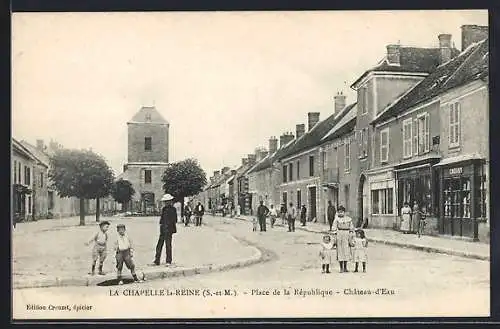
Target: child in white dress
326, 253
360, 247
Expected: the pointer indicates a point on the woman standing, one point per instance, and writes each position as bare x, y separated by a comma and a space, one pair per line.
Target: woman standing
343, 226
405, 218
415, 218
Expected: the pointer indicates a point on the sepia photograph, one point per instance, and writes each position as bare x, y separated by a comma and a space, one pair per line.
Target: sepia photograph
250, 165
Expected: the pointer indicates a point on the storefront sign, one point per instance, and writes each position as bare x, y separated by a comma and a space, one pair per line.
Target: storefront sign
456, 171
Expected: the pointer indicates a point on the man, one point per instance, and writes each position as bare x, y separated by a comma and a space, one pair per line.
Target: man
273, 214
187, 214
331, 214
291, 215
283, 214
199, 210
167, 229
262, 212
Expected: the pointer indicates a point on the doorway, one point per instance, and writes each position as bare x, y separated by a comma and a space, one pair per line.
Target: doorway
312, 203
362, 198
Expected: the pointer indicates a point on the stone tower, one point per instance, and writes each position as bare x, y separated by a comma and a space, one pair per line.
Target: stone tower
147, 158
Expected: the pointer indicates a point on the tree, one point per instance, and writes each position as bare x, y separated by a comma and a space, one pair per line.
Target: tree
184, 179
122, 191
82, 174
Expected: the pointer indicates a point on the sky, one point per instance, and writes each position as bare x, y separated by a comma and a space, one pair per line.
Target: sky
225, 81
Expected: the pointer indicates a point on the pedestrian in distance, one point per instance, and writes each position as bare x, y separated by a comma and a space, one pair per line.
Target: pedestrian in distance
405, 218
421, 223
254, 224
331, 211
283, 214
343, 226
262, 213
360, 246
167, 229
303, 215
273, 214
187, 214
99, 250
415, 218
291, 216
124, 254
199, 211
326, 253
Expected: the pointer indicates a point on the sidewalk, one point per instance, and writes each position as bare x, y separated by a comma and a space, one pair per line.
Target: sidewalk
426, 243
52, 252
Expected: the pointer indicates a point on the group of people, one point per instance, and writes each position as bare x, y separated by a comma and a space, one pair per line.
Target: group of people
345, 244
197, 212
412, 219
288, 215
123, 246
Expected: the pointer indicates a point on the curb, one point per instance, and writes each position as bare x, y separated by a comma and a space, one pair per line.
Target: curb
164, 273
410, 246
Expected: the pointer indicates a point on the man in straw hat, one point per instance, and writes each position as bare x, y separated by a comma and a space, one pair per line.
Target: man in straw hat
167, 229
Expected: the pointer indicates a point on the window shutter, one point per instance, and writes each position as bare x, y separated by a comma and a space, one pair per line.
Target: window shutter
427, 133
415, 137
451, 136
457, 123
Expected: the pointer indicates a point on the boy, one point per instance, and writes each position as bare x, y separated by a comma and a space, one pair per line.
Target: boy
99, 251
124, 253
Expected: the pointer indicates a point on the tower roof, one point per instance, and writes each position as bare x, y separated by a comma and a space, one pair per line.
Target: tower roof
148, 114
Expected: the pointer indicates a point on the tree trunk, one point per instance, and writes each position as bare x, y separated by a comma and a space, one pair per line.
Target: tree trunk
181, 199
82, 211
97, 209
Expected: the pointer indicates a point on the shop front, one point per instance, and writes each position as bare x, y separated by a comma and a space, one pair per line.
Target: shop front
381, 199
463, 197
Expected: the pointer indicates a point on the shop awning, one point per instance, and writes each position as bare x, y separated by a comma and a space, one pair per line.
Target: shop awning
459, 158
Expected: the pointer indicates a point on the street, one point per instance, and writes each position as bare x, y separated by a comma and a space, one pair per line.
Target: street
398, 282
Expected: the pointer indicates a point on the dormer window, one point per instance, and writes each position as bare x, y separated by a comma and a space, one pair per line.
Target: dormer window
148, 116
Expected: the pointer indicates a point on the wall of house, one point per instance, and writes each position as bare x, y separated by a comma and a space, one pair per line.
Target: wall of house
159, 142
389, 88
135, 174
24, 162
41, 192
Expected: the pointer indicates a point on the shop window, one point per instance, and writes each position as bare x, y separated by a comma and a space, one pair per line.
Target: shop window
417, 188
384, 145
457, 197
382, 201
423, 133
480, 197
347, 160
407, 138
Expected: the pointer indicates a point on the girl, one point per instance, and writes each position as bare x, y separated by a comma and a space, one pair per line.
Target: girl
326, 253
359, 246
405, 218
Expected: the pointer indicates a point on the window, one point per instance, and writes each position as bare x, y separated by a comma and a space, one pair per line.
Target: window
15, 172
148, 116
382, 201
290, 172
384, 145
347, 160
480, 195
407, 141
29, 204
19, 172
41, 179
147, 143
457, 201
299, 198
285, 172
147, 176
323, 160
298, 169
423, 133
311, 165
364, 97
455, 124
27, 175
363, 142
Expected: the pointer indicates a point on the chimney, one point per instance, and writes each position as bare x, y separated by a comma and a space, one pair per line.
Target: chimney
216, 173
339, 102
260, 153
312, 119
393, 54
233, 172
252, 158
445, 47
300, 130
39, 144
285, 139
472, 34
225, 170
244, 161
273, 145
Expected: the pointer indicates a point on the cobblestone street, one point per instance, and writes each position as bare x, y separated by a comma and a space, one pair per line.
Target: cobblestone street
408, 282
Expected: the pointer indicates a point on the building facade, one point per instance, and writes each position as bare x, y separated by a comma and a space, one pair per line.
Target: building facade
148, 156
23, 166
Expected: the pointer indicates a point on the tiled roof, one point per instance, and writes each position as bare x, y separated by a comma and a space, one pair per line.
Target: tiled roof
469, 65
412, 60
148, 114
313, 137
41, 156
267, 162
349, 113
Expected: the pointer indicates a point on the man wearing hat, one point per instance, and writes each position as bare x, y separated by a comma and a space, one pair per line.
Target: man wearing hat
167, 229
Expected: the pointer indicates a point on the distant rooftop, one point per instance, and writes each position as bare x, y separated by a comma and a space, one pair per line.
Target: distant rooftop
148, 114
